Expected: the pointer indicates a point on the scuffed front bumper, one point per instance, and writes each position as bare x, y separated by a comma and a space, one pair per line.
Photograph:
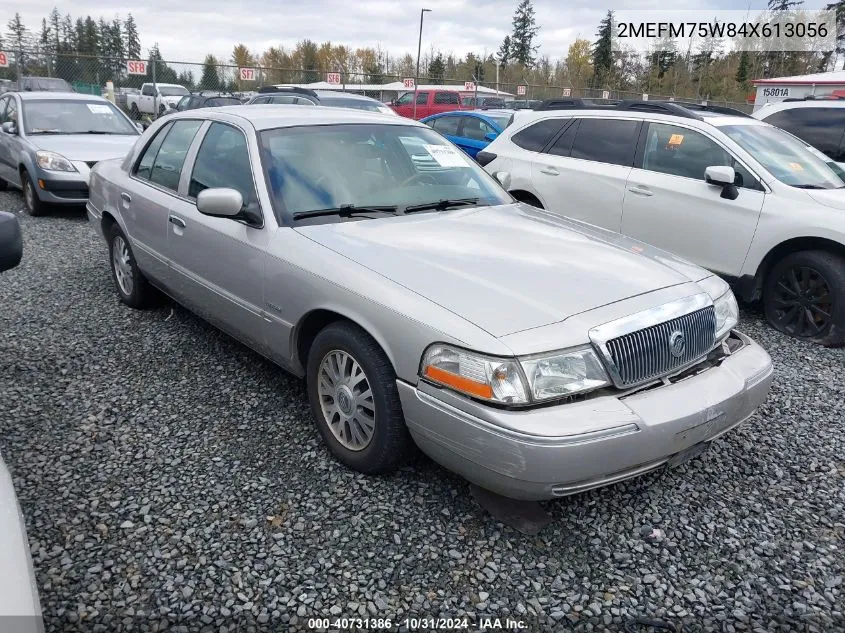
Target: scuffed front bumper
559, 450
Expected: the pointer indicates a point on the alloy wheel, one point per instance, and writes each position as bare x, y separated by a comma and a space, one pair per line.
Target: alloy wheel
122, 263
28, 195
346, 400
803, 302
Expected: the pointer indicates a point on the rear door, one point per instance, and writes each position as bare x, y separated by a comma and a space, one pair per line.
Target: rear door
583, 173
150, 192
218, 262
669, 204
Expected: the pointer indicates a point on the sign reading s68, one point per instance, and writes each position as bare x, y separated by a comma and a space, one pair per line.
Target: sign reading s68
4, 60
246, 74
136, 67
333, 78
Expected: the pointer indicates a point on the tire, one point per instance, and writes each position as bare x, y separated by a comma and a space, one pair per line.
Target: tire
134, 113
31, 202
804, 297
131, 285
3, 185
389, 444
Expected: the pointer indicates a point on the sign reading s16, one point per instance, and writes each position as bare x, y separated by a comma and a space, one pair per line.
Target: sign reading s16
246, 74
136, 67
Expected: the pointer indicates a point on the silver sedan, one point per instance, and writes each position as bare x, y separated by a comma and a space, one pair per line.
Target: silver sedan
534, 355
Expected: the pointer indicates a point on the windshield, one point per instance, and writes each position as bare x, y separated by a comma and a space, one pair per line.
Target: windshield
364, 165
785, 157
172, 91
59, 116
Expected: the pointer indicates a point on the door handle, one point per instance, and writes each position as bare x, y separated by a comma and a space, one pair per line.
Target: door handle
125, 197
175, 219
641, 191
550, 171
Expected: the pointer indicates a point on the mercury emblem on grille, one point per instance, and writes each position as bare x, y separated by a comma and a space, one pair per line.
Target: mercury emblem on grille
677, 343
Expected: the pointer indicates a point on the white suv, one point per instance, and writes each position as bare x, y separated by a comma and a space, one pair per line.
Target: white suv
730, 193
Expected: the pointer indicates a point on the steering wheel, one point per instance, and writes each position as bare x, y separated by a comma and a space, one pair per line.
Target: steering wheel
416, 177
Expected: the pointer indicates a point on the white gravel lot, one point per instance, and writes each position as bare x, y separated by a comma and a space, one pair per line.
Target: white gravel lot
170, 477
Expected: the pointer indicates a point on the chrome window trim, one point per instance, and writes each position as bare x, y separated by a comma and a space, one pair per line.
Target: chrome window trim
600, 335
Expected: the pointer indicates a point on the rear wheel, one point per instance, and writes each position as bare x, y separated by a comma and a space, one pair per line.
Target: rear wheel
804, 297
355, 401
32, 203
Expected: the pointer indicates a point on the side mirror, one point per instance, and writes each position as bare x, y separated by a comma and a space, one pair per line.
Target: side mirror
724, 177
220, 202
9, 127
11, 245
490, 136
504, 179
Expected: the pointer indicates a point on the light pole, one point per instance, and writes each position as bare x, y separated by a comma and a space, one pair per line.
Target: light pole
419, 50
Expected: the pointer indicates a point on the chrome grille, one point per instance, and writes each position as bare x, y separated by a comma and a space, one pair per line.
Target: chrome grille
646, 354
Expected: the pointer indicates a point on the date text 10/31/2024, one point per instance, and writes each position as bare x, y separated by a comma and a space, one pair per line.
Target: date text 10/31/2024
417, 624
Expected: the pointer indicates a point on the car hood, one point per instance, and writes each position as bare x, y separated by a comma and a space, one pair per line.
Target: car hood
506, 268
172, 100
86, 147
833, 198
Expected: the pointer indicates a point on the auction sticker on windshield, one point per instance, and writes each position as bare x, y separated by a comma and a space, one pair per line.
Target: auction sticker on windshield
445, 156
99, 108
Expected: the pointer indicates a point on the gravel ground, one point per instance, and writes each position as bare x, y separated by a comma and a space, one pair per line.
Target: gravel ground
168, 475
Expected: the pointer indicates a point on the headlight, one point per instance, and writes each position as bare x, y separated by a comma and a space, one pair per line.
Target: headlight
475, 375
514, 381
53, 162
724, 303
564, 374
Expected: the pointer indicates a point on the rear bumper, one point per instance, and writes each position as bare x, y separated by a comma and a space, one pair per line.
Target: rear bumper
561, 450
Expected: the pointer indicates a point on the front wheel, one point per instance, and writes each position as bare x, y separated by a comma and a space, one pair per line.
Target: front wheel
355, 401
804, 297
31, 202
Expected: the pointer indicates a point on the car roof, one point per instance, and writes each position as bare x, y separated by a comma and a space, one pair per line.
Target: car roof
777, 106
332, 94
159, 83
64, 96
264, 117
706, 118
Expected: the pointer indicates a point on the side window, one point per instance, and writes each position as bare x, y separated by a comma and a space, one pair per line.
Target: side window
422, 98
183, 103
606, 141
259, 100
406, 98
147, 90
563, 145
145, 166
223, 161
450, 98
475, 128
447, 125
820, 127
284, 99
171, 155
3, 103
11, 113
535, 137
303, 101
679, 151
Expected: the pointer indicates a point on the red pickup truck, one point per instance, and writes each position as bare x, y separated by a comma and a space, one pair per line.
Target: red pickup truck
428, 102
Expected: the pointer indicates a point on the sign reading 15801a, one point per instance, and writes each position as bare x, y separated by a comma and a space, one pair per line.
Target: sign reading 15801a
775, 92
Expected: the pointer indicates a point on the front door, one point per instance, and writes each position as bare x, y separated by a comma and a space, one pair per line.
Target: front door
668, 203
219, 262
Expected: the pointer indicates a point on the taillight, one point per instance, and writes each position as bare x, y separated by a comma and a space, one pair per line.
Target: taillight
485, 158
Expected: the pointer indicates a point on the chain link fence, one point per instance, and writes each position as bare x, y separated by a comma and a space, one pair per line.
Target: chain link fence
90, 74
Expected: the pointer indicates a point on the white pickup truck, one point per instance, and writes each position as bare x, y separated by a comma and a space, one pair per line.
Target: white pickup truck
155, 99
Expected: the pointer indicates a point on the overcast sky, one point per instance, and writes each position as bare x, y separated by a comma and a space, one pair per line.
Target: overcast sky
188, 29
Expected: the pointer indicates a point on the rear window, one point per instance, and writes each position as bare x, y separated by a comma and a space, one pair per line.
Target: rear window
446, 98
356, 104
535, 137
606, 141
820, 127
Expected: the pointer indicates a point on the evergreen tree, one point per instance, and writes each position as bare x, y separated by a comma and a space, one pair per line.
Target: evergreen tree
504, 54
784, 5
210, 80
525, 29
133, 41
437, 69
602, 52
742, 71
18, 33
309, 60
55, 26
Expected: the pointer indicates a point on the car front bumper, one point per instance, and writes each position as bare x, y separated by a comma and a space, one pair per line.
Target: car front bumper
63, 187
560, 450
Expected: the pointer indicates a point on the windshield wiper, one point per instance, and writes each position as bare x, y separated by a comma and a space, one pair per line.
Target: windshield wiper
810, 187
99, 132
345, 211
47, 132
441, 205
